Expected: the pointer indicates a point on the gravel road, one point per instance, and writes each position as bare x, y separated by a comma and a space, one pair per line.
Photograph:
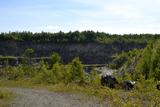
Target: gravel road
44, 98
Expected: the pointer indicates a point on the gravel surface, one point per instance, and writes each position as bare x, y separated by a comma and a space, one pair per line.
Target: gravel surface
44, 98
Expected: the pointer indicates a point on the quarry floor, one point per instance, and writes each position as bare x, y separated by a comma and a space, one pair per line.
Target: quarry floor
43, 98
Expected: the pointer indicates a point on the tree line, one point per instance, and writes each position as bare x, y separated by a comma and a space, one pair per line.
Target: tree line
76, 36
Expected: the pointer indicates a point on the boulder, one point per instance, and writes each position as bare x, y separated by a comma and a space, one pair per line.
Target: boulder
109, 80
158, 86
128, 85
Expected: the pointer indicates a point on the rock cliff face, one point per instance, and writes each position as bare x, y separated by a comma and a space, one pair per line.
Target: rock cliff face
89, 53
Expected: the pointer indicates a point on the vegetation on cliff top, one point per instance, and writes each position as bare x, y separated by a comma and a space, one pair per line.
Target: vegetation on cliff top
82, 37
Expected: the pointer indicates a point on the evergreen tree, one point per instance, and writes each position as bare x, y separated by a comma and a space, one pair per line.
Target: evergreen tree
55, 58
27, 56
94, 78
28, 52
156, 62
145, 62
57, 73
67, 74
77, 71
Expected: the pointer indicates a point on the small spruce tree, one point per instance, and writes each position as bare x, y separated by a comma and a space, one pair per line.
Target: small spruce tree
77, 71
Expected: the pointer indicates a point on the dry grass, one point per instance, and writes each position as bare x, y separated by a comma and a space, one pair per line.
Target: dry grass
5, 97
144, 95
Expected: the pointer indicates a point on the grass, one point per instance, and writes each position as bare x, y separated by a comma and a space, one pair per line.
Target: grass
114, 97
141, 96
5, 97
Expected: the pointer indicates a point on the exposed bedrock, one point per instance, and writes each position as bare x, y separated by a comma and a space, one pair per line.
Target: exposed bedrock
89, 53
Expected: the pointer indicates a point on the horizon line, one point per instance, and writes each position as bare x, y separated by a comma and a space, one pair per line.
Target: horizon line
20, 31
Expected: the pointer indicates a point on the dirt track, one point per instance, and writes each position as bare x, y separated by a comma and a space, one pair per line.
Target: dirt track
44, 98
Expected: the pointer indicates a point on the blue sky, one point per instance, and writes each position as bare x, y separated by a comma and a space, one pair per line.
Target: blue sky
111, 16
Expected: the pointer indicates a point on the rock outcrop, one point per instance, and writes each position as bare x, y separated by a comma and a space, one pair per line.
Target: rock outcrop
89, 53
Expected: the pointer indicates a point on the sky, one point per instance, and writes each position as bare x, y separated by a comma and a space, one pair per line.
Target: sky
110, 16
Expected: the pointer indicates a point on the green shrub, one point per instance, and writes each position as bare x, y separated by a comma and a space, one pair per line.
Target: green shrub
13, 73
77, 72
67, 74
149, 64
94, 78
126, 76
55, 58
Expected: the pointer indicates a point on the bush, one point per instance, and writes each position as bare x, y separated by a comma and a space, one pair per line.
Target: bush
149, 64
13, 73
126, 76
94, 78
77, 72
55, 58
